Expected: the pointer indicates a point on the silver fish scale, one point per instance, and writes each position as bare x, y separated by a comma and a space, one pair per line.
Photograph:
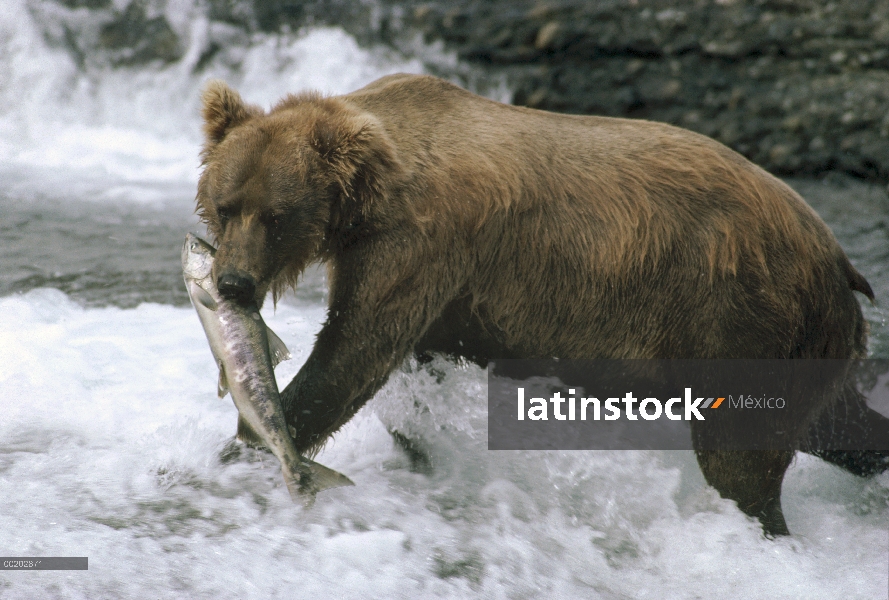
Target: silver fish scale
240, 343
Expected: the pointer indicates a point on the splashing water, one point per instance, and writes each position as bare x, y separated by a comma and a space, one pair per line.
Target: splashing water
114, 446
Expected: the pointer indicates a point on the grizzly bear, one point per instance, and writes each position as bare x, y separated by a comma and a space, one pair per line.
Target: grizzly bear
454, 224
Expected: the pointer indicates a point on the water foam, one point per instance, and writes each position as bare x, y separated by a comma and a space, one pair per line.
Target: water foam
113, 446
140, 125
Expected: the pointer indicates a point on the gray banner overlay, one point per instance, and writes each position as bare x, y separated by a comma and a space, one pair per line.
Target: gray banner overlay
44, 563
812, 405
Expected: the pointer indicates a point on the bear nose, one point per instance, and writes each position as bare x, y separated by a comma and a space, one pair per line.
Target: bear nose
238, 287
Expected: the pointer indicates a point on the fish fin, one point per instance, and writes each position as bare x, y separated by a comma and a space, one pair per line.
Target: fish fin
222, 386
247, 435
307, 478
277, 350
324, 478
205, 298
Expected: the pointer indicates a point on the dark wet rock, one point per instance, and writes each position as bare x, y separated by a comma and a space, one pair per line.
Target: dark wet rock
272, 14
235, 12
133, 37
800, 86
85, 3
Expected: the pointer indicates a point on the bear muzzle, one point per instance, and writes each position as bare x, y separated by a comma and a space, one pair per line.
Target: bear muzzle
236, 286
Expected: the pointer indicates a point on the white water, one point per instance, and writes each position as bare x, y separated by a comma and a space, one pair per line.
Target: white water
111, 433
141, 125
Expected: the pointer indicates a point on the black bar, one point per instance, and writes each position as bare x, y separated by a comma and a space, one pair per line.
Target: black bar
43, 563
837, 409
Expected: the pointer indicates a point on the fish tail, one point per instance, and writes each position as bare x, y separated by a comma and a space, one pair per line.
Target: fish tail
299, 493
324, 478
306, 478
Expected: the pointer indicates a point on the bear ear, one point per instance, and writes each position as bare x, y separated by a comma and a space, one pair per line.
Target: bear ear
359, 153
222, 109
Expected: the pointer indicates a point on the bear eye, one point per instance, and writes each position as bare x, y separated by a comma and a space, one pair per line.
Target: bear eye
270, 219
224, 214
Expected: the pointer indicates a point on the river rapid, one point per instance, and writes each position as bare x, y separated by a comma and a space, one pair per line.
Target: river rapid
113, 442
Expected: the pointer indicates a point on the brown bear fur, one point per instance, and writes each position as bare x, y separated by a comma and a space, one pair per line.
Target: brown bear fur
451, 223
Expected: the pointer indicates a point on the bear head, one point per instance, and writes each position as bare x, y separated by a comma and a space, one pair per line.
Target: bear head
282, 189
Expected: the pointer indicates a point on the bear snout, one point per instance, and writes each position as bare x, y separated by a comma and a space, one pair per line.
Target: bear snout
236, 286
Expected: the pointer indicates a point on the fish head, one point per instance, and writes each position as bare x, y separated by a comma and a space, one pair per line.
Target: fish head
197, 258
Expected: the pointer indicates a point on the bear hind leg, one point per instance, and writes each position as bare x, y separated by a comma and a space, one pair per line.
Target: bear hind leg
851, 435
752, 479
418, 455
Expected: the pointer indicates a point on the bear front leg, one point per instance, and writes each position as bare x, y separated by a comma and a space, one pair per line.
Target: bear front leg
371, 328
316, 404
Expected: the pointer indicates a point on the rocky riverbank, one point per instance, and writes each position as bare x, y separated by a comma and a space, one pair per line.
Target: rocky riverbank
799, 86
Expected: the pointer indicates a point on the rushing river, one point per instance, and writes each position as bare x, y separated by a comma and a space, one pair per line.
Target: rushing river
112, 440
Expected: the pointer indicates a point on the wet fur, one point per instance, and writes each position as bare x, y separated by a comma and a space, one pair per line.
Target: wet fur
451, 223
